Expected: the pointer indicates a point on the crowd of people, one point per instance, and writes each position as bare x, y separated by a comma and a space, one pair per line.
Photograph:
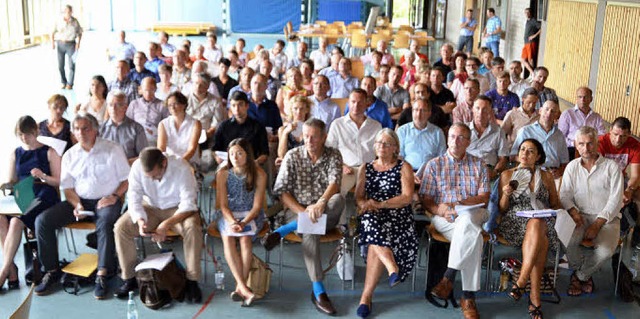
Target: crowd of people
452, 136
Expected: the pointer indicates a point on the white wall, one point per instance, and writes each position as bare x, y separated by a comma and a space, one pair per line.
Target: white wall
514, 26
455, 11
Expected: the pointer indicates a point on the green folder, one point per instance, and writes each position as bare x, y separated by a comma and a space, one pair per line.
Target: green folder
23, 192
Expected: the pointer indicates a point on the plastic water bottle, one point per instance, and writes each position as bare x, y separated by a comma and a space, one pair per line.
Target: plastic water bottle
132, 311
219, 274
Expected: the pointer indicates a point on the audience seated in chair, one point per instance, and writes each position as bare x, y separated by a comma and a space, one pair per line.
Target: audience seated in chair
162, 196
458, 178
31, 159
122, 130
94, 178
591, 191
179, 133
309, 182
535, 235
241, 186
388, 239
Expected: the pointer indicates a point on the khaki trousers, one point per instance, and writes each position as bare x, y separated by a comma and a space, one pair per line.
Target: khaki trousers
189, 229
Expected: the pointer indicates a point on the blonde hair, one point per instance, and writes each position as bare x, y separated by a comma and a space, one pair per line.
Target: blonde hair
299, 99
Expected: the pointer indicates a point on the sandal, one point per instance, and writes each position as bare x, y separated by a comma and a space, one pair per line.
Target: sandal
587, 286
575, 286
516, 292
536, 312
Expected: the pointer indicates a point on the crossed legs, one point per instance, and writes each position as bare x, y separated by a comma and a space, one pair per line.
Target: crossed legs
534, 255
379, 258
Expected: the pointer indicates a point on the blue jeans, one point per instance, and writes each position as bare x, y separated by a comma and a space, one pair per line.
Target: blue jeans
495, 47
493, 208
465, 41
66, 49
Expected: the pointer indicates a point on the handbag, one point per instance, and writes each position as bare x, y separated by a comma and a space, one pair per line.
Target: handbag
511, 269
159, 287
259, 277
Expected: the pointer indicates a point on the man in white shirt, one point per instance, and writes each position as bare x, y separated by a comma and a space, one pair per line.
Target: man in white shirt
162, 197
323, 108
94, 179
353, 135
591, 191
320, 56
279, 59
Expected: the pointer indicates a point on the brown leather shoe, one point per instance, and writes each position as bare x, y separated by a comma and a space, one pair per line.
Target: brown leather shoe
443, 289
323, 304
469, 309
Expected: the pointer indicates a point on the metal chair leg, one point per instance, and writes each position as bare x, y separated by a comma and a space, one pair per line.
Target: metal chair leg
206, 252
557, 263
615, 288
280, 264
426, 270
353, 254
73, 242
66, 239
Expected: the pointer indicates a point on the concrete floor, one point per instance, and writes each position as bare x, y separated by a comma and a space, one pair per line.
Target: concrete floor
30, 77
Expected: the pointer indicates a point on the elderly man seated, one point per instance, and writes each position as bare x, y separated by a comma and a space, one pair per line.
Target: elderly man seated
123, 82
121, 129
94, 179
421, 141
162, 197
454, 179
591, 191
309, 182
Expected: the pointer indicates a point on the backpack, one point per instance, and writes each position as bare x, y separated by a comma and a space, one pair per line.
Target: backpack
159, 287
259, 277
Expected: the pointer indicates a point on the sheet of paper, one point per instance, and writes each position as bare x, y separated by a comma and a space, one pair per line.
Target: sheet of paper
250, 229
203, 137
8, 206
57, 144
306, 226
157, 261
86, 213
541, 213
564, 226
463, 209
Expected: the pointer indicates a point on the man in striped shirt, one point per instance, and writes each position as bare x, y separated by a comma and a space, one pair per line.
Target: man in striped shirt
450, 182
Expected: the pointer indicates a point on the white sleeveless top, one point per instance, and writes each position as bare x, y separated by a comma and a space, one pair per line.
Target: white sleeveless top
178, 139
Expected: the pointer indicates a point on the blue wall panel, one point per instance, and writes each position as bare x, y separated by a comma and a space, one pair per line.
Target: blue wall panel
264, 16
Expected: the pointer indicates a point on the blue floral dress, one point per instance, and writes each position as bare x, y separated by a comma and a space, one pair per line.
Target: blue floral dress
392, 227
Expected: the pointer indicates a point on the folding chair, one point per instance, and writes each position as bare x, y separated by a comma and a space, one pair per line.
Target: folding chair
331, 236
22, 312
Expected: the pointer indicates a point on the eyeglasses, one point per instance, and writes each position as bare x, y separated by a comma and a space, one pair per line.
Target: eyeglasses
459, 137
384, 144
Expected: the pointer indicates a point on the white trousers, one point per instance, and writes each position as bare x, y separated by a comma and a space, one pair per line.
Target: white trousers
465, 254
586, 261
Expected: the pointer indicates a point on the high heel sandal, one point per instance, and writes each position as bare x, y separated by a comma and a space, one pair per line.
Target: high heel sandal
536, 312
516, 292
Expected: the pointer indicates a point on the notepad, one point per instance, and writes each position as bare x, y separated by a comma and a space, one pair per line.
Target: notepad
157, 261
306, 226
249, 229
543, 213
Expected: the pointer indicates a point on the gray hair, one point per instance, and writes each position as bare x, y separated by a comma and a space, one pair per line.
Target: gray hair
316, 123
588, 131
117, 94
463, 126
204, 76
87, 117
198, 64
392, 134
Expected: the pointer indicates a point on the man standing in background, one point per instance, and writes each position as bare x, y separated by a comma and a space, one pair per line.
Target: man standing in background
468, 25
531, 37
67, 34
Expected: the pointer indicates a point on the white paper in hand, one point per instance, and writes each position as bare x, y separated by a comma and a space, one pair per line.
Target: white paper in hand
57, 144
157, 261
306, 226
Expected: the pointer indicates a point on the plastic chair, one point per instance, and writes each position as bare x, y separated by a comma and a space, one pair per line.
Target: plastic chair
401, 41
406, 28
376, 37
331, 236
342, 103
22, 312
357, 68
358, 41
432, 234
81, 225
321, 22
